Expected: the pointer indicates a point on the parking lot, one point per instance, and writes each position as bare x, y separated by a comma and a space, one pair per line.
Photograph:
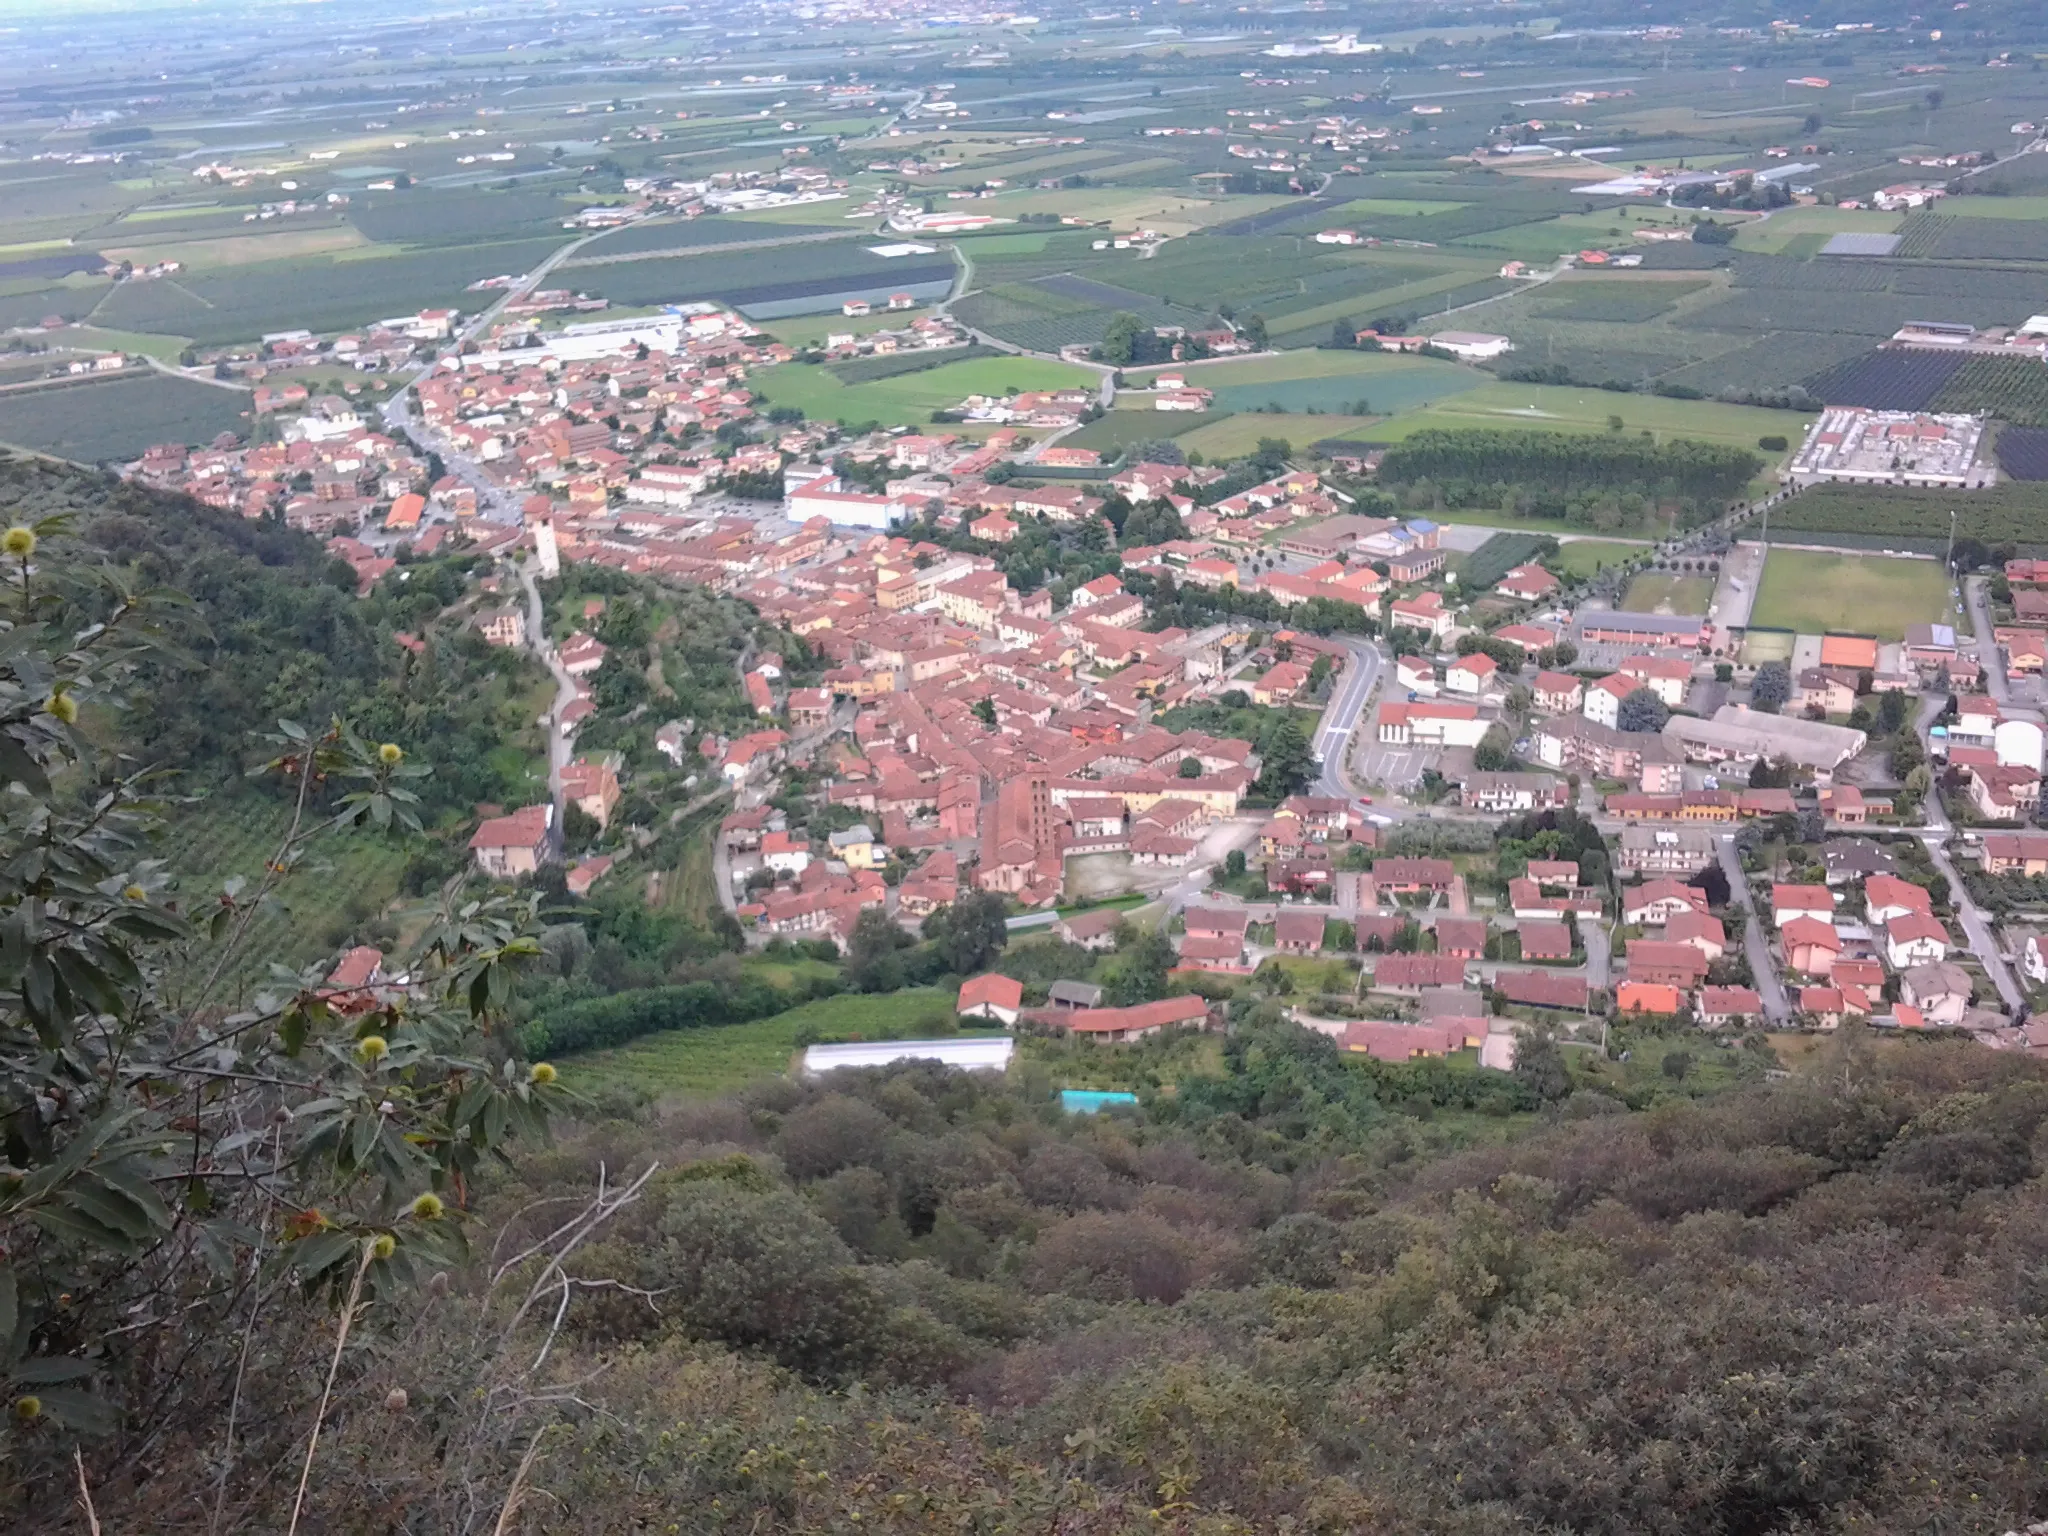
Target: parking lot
1394, 767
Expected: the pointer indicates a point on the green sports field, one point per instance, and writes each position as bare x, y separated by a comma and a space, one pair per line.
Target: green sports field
1859, 594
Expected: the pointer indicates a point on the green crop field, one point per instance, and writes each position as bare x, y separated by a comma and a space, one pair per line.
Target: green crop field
113, 420
732, 1055
1114, 431
343, 883
1886, 517
1653, 592
1861, 594
909, 399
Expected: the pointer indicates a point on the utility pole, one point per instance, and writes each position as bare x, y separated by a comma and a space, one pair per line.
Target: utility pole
1950, 559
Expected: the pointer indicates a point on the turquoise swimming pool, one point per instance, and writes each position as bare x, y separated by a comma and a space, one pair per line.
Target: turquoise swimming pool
1089, 1101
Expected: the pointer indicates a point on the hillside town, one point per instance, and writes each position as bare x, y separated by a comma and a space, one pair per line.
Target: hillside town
1839, 834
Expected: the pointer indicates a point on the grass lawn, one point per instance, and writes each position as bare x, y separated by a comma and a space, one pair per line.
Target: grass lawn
1862, 594
1582, 557
1333, 380
909, 399
721, 1059
164, 349
1652, 593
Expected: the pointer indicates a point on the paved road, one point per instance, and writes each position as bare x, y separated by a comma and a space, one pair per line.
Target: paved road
1977, 601
1756, 941
1337, 731
1976, 926
559, 745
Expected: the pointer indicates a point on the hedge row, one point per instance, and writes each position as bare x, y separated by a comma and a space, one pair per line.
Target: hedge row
603, 1021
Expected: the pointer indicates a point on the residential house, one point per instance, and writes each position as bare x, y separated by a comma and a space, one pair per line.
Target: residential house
1603, 699
1655, 902
1543, 989
1939, 989
1702, 930
1115, 1026
1545, 940
1658, 960
1298, 932
507, 847
1559, 693
1665, 850
1648, 997
990, 996
591, 784
1886, 897
1473, 674
1730, 1007
502, 626
1412, 973
1915, 939
1811, 945
1461, 937
1790, 901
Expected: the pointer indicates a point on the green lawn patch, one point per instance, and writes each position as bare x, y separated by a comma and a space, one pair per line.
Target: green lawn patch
716, 1060
1657, 593
1584, 557
1812, 593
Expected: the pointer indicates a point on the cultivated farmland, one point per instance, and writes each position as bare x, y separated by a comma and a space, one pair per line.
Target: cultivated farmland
113, 420
2023, 453
1889, 379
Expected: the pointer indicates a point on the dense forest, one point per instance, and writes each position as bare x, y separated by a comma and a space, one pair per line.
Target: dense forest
914, 1300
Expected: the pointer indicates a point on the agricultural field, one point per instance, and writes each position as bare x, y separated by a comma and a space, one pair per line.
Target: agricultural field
1658, 592
909, 399
1335, 381
1879, 517
1812, 593
2013, 389
114, 420
1116, 430
346, 883
732, 1055
1889, 379
1615, 300
1775, 235
1232, 437
2023, 453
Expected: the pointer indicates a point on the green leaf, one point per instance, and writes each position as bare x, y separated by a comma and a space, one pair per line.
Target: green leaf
79, 1411
50, 1369
321, 1252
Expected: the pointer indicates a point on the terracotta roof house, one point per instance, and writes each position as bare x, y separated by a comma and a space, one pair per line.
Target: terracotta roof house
1545, 941
1297, 932
1113, 1026
509, 846
990, 996
1543, 989
1723, 1007
1647, 997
